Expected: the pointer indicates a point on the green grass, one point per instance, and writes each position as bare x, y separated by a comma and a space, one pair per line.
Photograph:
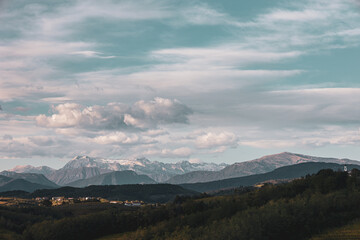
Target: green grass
347, 232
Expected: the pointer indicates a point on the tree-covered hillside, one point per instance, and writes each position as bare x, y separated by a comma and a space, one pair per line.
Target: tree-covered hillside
300, 209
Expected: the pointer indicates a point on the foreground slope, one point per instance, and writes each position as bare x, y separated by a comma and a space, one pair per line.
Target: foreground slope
257, 166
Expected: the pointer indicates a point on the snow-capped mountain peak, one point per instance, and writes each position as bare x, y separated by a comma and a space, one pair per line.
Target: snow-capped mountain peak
157, 170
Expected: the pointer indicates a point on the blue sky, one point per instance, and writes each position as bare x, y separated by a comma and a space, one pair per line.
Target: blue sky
219, 81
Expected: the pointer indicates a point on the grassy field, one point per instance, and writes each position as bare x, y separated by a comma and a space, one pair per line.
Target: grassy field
348, 232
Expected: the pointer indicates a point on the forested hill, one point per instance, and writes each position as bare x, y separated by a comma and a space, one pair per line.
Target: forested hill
152, 193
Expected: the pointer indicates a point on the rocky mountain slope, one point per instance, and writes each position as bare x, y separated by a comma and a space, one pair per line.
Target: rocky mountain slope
64, 176
114, 178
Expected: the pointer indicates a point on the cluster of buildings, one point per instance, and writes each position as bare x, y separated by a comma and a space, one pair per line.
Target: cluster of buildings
57, 201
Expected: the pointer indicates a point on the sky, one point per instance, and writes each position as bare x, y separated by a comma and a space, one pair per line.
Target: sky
170, 80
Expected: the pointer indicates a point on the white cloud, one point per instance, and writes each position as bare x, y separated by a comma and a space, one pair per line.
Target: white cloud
269, 143
298, 16
122, 138
182, 152
143, 114
211, 140
218, 140
92, 54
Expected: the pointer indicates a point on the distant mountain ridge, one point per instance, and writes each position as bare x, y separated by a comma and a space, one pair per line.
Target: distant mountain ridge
29, 182
257, 166
23, 185
281, 173
30, 177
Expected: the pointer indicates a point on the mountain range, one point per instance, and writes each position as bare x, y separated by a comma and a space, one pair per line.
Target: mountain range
84, 171
83, 167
